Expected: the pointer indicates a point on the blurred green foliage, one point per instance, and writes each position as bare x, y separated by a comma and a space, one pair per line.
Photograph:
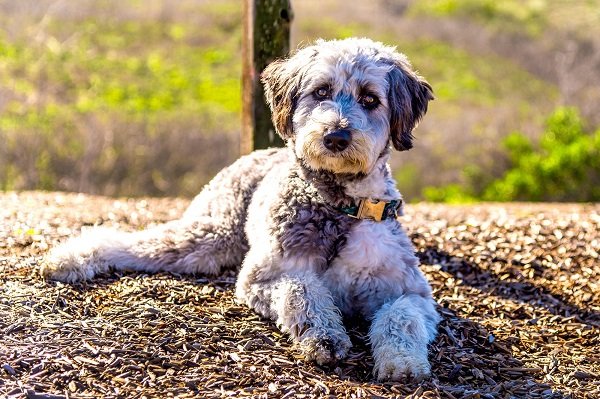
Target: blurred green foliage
564, 166
108, 93
531, 17
143, 98
466, 78
507, 14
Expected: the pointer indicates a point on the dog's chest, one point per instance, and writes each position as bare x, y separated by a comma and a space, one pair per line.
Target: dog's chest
377, 262
371, 244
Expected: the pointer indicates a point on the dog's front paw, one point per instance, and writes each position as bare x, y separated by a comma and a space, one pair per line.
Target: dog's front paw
394, 366
324, 347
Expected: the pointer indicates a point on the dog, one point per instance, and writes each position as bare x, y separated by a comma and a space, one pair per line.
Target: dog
313, 225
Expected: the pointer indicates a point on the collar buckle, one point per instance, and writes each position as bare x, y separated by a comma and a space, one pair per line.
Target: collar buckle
377, 210
374, 210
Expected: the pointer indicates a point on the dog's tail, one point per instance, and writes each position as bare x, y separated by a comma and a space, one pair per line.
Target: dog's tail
178, 246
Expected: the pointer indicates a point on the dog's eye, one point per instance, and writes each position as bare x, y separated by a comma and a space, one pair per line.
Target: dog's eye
369, 101
322, 93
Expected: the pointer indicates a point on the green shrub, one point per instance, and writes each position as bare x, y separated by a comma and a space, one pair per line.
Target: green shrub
452, 193
565, 167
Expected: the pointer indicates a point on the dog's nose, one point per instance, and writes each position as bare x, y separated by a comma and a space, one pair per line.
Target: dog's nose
337, 140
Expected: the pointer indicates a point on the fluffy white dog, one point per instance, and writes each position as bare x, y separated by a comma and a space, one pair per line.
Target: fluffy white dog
314, 225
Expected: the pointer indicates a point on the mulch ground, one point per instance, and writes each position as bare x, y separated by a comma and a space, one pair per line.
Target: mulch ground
517, 286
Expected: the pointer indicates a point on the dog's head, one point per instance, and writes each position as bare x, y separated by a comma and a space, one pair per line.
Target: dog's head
339, 103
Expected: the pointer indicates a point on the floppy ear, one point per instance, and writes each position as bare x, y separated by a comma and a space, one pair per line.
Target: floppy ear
281, 82
408, 96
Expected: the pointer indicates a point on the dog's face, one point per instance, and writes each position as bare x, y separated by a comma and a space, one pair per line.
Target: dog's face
339, 103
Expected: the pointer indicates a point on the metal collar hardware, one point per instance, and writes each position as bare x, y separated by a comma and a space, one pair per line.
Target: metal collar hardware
373, 209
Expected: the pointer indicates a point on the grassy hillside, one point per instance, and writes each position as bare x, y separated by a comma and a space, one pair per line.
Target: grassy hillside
132, 98
126, 104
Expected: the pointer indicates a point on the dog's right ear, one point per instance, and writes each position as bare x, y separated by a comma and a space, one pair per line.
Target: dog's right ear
281, 82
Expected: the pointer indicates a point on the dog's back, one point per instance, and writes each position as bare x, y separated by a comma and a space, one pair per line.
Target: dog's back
227, 196
208, 238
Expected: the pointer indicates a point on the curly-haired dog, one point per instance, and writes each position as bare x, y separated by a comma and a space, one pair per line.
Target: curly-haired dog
314, 224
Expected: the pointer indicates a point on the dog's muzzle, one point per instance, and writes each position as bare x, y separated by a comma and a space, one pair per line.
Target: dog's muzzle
337, 140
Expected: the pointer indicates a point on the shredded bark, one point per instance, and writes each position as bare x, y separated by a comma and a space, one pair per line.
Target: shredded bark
517, 286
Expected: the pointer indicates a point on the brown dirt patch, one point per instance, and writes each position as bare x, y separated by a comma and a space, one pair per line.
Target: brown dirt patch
517, 287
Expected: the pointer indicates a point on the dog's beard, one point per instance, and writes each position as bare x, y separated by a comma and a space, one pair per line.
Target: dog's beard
353, 160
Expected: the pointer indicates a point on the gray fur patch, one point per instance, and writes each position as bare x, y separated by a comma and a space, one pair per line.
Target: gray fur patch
304, 223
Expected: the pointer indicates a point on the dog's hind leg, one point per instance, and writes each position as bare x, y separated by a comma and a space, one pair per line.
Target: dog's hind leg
179, 246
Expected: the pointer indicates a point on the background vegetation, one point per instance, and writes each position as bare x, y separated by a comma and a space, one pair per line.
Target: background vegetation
143, 97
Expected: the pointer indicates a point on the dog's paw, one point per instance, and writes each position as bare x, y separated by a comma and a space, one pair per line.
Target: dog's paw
394, 366
325, 348
71, 262
82, 257
67, 269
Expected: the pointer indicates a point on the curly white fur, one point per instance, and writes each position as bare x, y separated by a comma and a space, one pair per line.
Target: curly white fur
305, 264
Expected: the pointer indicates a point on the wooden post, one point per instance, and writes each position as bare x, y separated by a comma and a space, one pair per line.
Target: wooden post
266, 37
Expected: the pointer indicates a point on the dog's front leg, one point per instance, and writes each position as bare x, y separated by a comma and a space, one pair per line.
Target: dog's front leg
303, 307
399, 334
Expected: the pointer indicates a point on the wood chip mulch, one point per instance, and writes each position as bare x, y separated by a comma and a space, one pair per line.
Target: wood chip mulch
518, 286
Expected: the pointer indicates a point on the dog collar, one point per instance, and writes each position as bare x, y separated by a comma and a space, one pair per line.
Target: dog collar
373, 209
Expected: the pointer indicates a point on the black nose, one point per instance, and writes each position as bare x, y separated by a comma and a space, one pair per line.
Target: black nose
337, 140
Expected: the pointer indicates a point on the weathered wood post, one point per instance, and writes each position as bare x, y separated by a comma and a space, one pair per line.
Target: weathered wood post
266, 37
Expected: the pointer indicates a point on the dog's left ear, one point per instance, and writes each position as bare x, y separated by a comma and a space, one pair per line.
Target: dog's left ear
408, 97
281, 82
